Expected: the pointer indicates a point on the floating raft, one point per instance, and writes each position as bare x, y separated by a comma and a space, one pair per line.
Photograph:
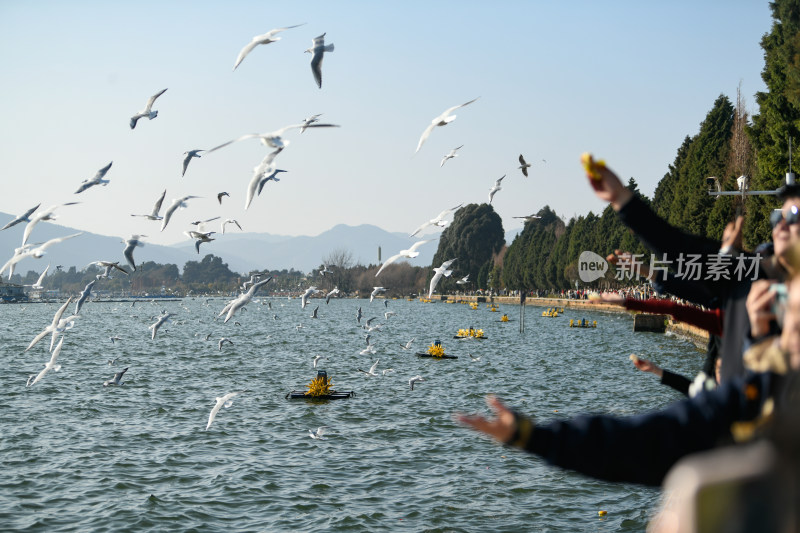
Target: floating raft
423, 354
468, 337
335, 395
584, 324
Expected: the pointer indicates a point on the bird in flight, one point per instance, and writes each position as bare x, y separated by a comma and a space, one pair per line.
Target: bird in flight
266, 38
442, 120
317, 51
148, 110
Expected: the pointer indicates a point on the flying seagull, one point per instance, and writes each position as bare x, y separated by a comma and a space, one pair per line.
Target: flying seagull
328, 296
21, 218
317, 359
409, 253
48, 366
47, 214
29, 251
407, 346
261, 174
96, 180
438, 221
306, 295
38, 285
442, 120
374, 293
371, 372
158, 323
317, 51
451, 155
223, 401
84, 295
199, 237
529, 218
222, 341
176, 203
310, 120
318, 433
220, 195
52, 327
266, 38
463, 280
156, 208
415, 379
523, 165
496, 187
148, 110
230, 221
130, 246
440, 271
189, 155
265, 178
117, 379
275, 138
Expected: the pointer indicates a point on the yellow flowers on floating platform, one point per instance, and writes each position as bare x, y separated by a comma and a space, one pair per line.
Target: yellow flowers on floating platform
470, 333
504, 318
550, 312
319, 386
436, 350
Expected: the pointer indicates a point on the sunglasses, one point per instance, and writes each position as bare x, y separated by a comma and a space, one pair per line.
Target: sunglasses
792, 217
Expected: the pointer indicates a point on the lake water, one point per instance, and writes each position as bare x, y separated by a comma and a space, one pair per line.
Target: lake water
78, 456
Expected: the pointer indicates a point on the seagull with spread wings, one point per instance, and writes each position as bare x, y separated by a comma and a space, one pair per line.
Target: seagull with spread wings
442, 120
148, 110
266, 38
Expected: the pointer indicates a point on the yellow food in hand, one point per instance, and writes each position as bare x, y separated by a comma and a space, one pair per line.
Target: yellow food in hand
591, 166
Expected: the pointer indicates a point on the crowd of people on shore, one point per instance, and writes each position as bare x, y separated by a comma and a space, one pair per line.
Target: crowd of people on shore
735, 439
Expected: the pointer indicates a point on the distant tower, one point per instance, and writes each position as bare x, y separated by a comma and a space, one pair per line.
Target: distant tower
379, 255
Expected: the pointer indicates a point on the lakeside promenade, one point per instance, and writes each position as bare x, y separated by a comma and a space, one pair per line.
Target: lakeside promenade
693, 333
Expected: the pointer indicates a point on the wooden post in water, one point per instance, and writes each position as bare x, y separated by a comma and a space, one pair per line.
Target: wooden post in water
522, 311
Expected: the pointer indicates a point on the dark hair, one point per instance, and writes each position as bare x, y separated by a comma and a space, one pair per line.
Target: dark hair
789, 191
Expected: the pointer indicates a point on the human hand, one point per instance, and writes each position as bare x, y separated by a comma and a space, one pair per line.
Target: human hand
607, 186
759, 307
647, 366
732, 234
500, 428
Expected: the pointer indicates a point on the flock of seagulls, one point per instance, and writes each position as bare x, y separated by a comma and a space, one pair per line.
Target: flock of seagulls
265, 171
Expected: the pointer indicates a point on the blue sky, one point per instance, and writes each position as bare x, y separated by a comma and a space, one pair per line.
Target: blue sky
624, 80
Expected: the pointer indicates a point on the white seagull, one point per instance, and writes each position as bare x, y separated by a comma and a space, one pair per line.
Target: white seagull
222, 341
318, 433
199, 237
265, 178
21, 218
438, 221
317, 359
29, 251
374, 293
266, 38
407, 346
176, 203
84, 295
496, 187
47, 214
223, 401
52, 328
189, 155
234, 305
48, 366
148, 110
440, 271
442, 120
262, 173
230, 221
529, 218
310, 120
117, 379
130, 246
317, 51
96, 180
409, 253
38, 285
415, 379
156, 208
328, 296
306, 295
158, 323
463, 280
523, 166
371, 372
451, 155
273, 139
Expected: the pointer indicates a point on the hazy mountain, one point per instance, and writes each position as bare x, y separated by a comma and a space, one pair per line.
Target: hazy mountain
242, 252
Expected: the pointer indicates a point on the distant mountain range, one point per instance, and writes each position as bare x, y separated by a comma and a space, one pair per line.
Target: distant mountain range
242, 252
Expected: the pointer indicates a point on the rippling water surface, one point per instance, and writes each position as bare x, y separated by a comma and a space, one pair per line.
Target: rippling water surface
81, 457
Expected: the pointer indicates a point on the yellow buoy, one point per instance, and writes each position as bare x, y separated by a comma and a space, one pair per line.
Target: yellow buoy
602, 513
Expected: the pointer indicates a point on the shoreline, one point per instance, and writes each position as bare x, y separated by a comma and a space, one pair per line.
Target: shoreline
692, 333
